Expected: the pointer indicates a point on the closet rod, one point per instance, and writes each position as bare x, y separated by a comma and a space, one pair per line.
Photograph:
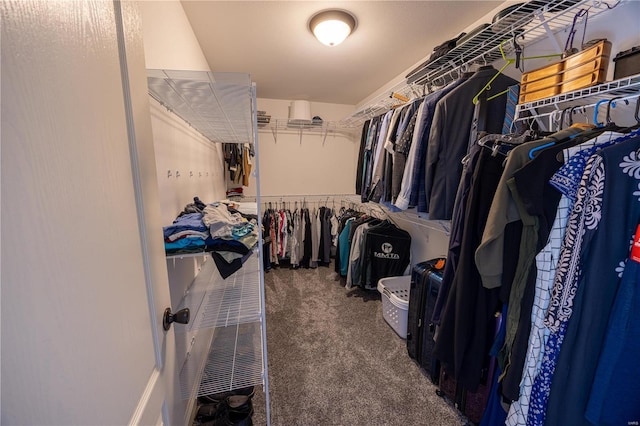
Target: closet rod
306, 195
574, 106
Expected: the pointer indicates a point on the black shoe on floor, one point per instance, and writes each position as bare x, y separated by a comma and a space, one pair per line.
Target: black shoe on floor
235, 410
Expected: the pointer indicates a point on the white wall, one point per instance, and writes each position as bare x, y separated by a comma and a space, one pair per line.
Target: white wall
169, 43
196, 164
291, 166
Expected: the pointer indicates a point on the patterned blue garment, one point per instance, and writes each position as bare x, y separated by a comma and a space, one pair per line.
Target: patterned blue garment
585, 284
567, 178
615, 211
586, 213
542, 384
546, 264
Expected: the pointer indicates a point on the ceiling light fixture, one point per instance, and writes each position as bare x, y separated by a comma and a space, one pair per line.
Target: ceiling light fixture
333, 26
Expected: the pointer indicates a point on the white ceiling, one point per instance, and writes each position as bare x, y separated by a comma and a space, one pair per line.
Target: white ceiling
271, 41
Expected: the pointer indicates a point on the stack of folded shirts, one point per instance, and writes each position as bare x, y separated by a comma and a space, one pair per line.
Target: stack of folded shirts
229, 235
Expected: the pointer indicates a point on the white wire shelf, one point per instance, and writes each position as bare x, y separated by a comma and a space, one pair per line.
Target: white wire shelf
235, 359
531, 22
218, 105
400, 217
217, 302
232, 308
232, 360
320, 128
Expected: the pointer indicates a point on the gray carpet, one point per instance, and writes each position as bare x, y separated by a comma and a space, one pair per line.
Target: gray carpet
333, 360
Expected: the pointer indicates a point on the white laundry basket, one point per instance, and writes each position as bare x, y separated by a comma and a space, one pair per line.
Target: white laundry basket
395, 302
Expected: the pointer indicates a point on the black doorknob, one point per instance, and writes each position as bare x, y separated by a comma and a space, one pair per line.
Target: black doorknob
181, 317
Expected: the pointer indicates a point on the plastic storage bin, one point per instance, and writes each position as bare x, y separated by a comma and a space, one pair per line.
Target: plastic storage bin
395, 302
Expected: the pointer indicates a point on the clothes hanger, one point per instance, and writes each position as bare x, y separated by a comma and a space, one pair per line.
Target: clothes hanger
596, 109
610, 104
536, 149
512, 139
563, 118
571, 114
508, 61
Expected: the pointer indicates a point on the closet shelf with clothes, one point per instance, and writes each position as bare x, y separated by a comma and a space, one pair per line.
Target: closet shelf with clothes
224, 345
531, 22
398, 216
218, 229
225, 294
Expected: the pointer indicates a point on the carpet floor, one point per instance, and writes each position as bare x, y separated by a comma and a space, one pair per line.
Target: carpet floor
333, 360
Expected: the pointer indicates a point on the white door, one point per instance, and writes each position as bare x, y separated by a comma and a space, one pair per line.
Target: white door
84, 281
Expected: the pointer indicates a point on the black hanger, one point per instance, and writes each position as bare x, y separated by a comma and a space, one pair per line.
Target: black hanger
610, 125
571, 114
636, 115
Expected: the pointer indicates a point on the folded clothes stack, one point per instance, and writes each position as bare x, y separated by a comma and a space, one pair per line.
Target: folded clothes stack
228, 234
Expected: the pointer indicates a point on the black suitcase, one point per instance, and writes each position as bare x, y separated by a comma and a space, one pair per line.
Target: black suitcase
416, 306
426, 279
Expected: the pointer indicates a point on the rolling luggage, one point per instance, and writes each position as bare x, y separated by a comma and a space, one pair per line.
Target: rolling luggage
426, 279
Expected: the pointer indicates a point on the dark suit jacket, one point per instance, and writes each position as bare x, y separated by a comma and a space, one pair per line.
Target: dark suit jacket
449, 137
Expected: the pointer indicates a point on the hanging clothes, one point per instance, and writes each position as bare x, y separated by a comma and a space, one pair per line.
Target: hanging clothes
296, 237
546, 265
359, 167
374, 191
401, 152
614, 393
449, 137
370, 148
467, 325
387, 253
417, 195
604, 249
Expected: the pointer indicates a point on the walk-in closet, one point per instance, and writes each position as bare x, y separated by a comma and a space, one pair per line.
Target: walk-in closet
320, 212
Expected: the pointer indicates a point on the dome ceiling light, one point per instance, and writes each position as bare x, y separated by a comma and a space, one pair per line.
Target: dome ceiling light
332, 27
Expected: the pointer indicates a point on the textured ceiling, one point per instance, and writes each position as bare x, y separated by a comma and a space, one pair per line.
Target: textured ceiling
271, 41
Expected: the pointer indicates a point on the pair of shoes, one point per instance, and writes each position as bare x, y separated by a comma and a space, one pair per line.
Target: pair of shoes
235, 410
